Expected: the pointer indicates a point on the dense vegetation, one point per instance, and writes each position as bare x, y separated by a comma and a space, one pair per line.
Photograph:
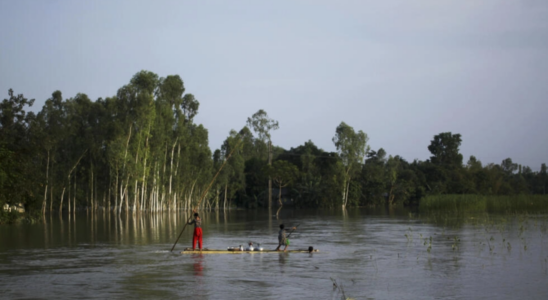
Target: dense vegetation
140, 150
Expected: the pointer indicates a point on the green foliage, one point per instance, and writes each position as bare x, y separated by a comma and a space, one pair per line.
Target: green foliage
481, 203
9, 217
141, 150
445, 150
352, 147
262, 124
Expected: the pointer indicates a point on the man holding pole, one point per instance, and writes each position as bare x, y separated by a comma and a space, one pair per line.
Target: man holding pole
197, 237
282, 239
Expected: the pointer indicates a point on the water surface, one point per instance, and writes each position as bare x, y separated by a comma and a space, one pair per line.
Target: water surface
368, 254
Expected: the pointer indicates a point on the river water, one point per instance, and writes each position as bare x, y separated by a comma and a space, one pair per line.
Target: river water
363, 254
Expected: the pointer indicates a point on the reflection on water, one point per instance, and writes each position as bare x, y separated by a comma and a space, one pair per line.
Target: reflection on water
198, 264
380, 254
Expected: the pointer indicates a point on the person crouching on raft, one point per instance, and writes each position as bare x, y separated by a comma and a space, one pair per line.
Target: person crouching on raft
197, 237
282, 240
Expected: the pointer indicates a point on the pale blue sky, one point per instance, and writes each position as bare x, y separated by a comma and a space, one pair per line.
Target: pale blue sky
401, 71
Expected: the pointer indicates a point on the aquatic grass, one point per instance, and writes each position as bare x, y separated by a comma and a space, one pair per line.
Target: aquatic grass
483, 203
340, 288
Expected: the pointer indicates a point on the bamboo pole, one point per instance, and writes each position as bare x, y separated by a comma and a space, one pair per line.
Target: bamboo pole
205, 192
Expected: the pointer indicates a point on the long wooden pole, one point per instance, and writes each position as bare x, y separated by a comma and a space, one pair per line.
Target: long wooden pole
205, 192
292, 231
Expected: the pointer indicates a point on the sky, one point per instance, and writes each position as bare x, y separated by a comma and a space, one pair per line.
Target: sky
400, 71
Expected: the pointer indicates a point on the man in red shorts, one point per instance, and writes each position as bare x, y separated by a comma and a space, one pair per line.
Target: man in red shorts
197, 231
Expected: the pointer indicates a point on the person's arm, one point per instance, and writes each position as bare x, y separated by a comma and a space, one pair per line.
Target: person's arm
191, 222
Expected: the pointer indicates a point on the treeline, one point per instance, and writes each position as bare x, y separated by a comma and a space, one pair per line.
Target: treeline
140, 150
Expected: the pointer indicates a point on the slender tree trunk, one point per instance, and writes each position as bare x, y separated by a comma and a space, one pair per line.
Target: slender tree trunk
217, 199
175, 175
126, 196
121, 197
269, 178
68, 199
74, 193
226, 193
280, 194
135, 196
191, 192
91, 187
144, 182
124, 169
171, 173
46, 188
344, 194
61, 203
108, 198
116, 193
51, 199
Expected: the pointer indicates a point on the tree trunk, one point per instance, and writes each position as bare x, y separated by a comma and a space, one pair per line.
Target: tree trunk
344, 194
46, 188
226, 192
91, 187
116, 193
171, 173
280, 194
61, 204
135, 196
74, 196
269, 178
51, 199
68, 198
108, 198
217, 199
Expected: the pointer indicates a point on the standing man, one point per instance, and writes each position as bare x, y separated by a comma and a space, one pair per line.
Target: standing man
197, 237
282, 239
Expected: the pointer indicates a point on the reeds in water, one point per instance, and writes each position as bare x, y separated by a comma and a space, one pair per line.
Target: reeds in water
483, 203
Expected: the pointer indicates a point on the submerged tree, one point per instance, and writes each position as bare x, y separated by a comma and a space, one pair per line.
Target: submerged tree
352, 147
283, 173
262, 125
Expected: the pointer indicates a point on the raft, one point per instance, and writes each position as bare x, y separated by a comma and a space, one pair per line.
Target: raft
236, 251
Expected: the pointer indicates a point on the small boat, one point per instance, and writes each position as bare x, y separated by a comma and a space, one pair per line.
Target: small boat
238, 251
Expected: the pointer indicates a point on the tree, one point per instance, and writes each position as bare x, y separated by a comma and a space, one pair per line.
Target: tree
16, 150
283, 173
352, 147
445, 150
543, 176
262, 125
508, 166
473, 164
372, 177
233, 173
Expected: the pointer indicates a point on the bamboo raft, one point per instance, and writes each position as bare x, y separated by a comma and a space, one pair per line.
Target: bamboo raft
236, 251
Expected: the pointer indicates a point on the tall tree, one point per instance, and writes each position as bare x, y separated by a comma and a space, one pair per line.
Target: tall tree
16, 150
283, 173
445, 150
508, 166
262, 125
352, 147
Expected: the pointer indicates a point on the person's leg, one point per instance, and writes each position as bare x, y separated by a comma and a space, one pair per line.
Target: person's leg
194, 238
200, 238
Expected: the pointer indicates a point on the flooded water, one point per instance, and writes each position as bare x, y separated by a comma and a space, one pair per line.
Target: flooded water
363, 255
